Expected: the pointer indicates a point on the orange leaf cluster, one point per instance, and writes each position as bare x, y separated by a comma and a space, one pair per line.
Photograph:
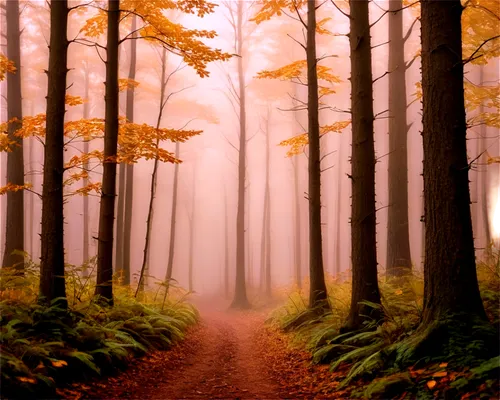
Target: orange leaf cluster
6, 66
126, 84
10, 187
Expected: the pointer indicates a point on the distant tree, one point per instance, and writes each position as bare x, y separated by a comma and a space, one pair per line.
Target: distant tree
192, 219
14, 225
85, 181
363, 221
398, 232
52, 281
267, 205
226, 246
173, 219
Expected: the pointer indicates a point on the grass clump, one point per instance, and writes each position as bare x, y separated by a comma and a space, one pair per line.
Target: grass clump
43, 346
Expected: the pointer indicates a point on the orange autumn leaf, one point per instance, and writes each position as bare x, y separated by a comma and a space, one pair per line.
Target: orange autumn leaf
440, 374
431, 384
26, 379
10, 187
6, 66
59, 363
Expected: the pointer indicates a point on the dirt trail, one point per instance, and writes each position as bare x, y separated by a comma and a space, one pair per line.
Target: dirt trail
217, 360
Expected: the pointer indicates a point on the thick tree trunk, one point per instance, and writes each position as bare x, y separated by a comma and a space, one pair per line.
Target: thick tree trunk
363, 240
240, 291
317, 292
104, 285
14, 227
154, 178
398, 234
173, 220
52, 282
86, 148
449, 268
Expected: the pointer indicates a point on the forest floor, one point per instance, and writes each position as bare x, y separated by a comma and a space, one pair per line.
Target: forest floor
228, 355
234, 354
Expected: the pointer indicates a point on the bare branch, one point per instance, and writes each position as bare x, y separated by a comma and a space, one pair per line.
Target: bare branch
410, 29
296, 41
471, 57
381, 44
338, 9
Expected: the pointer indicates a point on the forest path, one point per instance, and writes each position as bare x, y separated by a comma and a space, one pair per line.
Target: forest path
219, 359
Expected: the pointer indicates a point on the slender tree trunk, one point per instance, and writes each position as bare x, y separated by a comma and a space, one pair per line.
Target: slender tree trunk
120, 215
338, 241
129, 168
267, 202
14, 231
297, 233
104, 285
247, 241
398, 234
154, 177
484, 180
363, 246
32, 198
171, 247
450, 268
240, 292
263, 241
86, 148
226, 252
317, 292
52, 282
191, 236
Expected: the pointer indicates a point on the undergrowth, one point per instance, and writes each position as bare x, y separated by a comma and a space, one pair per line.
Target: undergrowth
44, 346
372, 349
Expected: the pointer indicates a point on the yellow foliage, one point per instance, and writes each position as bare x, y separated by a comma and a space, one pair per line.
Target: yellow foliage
296, 144
298, 70
480, 20
125, 84
59, 363
489, 98
320, 27
6, 144
6, 66
73, 100
158, 28
271, 8
10, 187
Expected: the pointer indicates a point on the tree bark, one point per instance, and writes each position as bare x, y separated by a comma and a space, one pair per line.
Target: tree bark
52, 282
398, 234
171, 247
317, 292
104, 285
363, 221
240, 292
14, 227
449, 267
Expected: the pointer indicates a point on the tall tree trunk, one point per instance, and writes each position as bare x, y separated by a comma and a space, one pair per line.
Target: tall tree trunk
14, 228
154, 178
338, 266
297, 233
226, 250
317, 292
32, 197
263, 241
86, 148
240, 291
247, 241
52, 282
267, 202
173, 220
484, 180
104, 285
191, 236
398, 234
449, 268
363, 239
129, 184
